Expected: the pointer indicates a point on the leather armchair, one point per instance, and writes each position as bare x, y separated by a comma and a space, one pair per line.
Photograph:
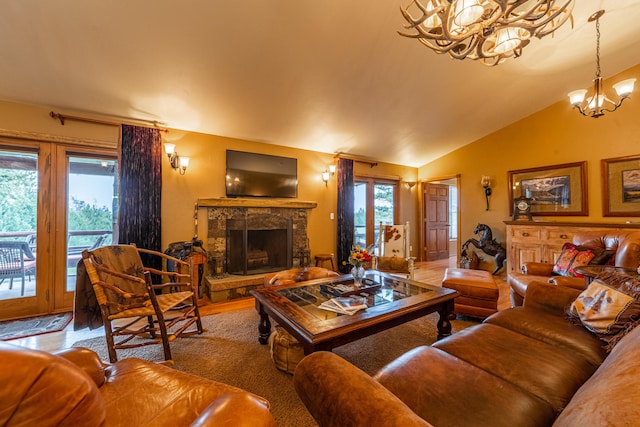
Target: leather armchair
74, 387
625, 244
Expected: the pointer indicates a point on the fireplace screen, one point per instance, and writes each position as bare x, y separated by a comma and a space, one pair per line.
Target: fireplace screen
259, 244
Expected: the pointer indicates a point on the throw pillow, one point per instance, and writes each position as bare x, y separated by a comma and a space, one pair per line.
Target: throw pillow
561, 267
601, 257
581, 258
609, 307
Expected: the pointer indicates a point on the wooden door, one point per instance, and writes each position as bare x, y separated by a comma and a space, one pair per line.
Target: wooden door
436, 218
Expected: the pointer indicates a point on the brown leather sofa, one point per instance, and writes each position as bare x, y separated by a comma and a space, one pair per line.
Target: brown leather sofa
294, 275
524, 366
626, 246
74, 388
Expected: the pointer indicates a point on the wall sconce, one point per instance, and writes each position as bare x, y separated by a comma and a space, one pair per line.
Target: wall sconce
486, 184
177, 162
332, 169
325, 178
410, 184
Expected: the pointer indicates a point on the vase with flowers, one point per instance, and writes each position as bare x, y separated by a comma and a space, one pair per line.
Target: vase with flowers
358, 259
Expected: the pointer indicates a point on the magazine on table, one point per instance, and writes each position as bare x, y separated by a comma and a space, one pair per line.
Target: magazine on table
344, 305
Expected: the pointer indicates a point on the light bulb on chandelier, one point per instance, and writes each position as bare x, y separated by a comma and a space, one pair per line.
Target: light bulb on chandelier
597, 104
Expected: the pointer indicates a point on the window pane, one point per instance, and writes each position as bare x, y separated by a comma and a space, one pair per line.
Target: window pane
453, 212
18, 214
360, 214
383, 203
92, 208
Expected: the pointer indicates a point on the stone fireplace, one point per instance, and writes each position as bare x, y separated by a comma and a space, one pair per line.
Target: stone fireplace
247, 238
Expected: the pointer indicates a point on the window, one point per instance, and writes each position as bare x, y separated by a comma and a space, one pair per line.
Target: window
453, 212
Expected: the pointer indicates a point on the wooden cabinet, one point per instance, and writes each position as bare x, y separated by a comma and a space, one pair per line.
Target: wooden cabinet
542, 241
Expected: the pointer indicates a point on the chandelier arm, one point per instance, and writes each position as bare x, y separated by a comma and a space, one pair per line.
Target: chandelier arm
415, 23
579, 108
615, 105
550, 16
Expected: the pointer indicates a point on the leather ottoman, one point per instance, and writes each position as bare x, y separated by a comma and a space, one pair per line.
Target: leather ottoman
478, 291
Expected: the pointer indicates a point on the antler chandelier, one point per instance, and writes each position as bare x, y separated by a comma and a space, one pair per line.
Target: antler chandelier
598, 103
487, 30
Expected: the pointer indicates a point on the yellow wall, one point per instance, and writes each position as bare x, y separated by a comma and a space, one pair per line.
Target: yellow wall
205, 177
556, 135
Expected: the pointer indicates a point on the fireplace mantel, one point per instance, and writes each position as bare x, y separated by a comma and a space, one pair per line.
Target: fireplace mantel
224, 202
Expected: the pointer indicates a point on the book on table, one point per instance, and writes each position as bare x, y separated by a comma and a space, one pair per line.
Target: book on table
344, 305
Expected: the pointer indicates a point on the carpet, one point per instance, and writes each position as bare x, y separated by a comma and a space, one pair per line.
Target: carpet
22, 328
229, 352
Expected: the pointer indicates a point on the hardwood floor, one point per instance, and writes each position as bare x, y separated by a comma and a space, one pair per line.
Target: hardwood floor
427, 272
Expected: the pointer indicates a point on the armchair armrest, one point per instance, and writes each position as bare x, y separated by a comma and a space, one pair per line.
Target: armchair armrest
550, 298
338, 394
237, 409
569, 282
87, 360
537, 268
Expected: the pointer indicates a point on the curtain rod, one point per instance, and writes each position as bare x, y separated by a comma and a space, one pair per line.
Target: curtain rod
63, 117
340, 155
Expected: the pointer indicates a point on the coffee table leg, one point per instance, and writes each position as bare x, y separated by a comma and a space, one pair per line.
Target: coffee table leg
444, 325
264, 327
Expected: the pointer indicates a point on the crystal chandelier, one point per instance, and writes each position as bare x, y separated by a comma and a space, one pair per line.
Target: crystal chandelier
488, 30
596, 105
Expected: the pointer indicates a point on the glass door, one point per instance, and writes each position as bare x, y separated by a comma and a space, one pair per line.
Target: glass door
88, 219
55, 201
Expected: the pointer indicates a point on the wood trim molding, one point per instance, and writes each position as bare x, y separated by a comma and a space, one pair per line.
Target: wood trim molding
256, 203
575, 224
36, 136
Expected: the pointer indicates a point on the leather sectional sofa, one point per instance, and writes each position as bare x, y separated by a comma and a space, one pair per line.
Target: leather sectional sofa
74, 388
624, 245
524, 366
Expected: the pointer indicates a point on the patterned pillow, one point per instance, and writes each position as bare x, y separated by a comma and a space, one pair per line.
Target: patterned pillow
581, 258
569, 252
609, 307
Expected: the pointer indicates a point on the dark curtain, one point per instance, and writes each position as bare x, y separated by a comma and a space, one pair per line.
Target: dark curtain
345, 212
140, 188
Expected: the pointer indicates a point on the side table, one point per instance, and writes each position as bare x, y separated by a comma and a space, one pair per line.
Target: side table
591, 271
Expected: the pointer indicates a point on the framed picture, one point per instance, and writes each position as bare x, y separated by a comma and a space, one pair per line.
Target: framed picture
553, 190
621, 186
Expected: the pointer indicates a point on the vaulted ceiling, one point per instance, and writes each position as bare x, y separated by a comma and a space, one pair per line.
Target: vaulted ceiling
329, 76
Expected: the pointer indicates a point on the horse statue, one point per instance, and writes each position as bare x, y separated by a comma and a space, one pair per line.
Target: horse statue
487, 245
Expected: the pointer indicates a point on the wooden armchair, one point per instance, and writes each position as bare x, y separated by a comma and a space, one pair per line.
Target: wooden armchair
393, 250
132, 306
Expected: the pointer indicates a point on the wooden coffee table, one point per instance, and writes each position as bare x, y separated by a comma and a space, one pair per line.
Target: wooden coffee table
391, 301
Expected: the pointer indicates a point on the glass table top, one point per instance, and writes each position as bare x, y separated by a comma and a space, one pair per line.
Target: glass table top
377, 289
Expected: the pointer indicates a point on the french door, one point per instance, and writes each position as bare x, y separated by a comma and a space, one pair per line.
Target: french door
374, 202
55, 201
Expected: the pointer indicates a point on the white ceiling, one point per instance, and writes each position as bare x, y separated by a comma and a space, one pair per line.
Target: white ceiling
328, 76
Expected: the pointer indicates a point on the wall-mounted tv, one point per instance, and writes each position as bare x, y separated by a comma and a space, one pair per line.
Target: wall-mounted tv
261, 175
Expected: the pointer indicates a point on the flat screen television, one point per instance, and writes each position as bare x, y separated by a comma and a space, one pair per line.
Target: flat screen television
260, 175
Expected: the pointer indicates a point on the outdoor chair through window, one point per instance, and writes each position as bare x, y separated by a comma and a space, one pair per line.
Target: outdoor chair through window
135, 310
393, 250
16, 262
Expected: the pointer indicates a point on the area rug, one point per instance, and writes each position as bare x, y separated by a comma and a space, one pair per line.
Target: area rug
229, 352
22, 328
